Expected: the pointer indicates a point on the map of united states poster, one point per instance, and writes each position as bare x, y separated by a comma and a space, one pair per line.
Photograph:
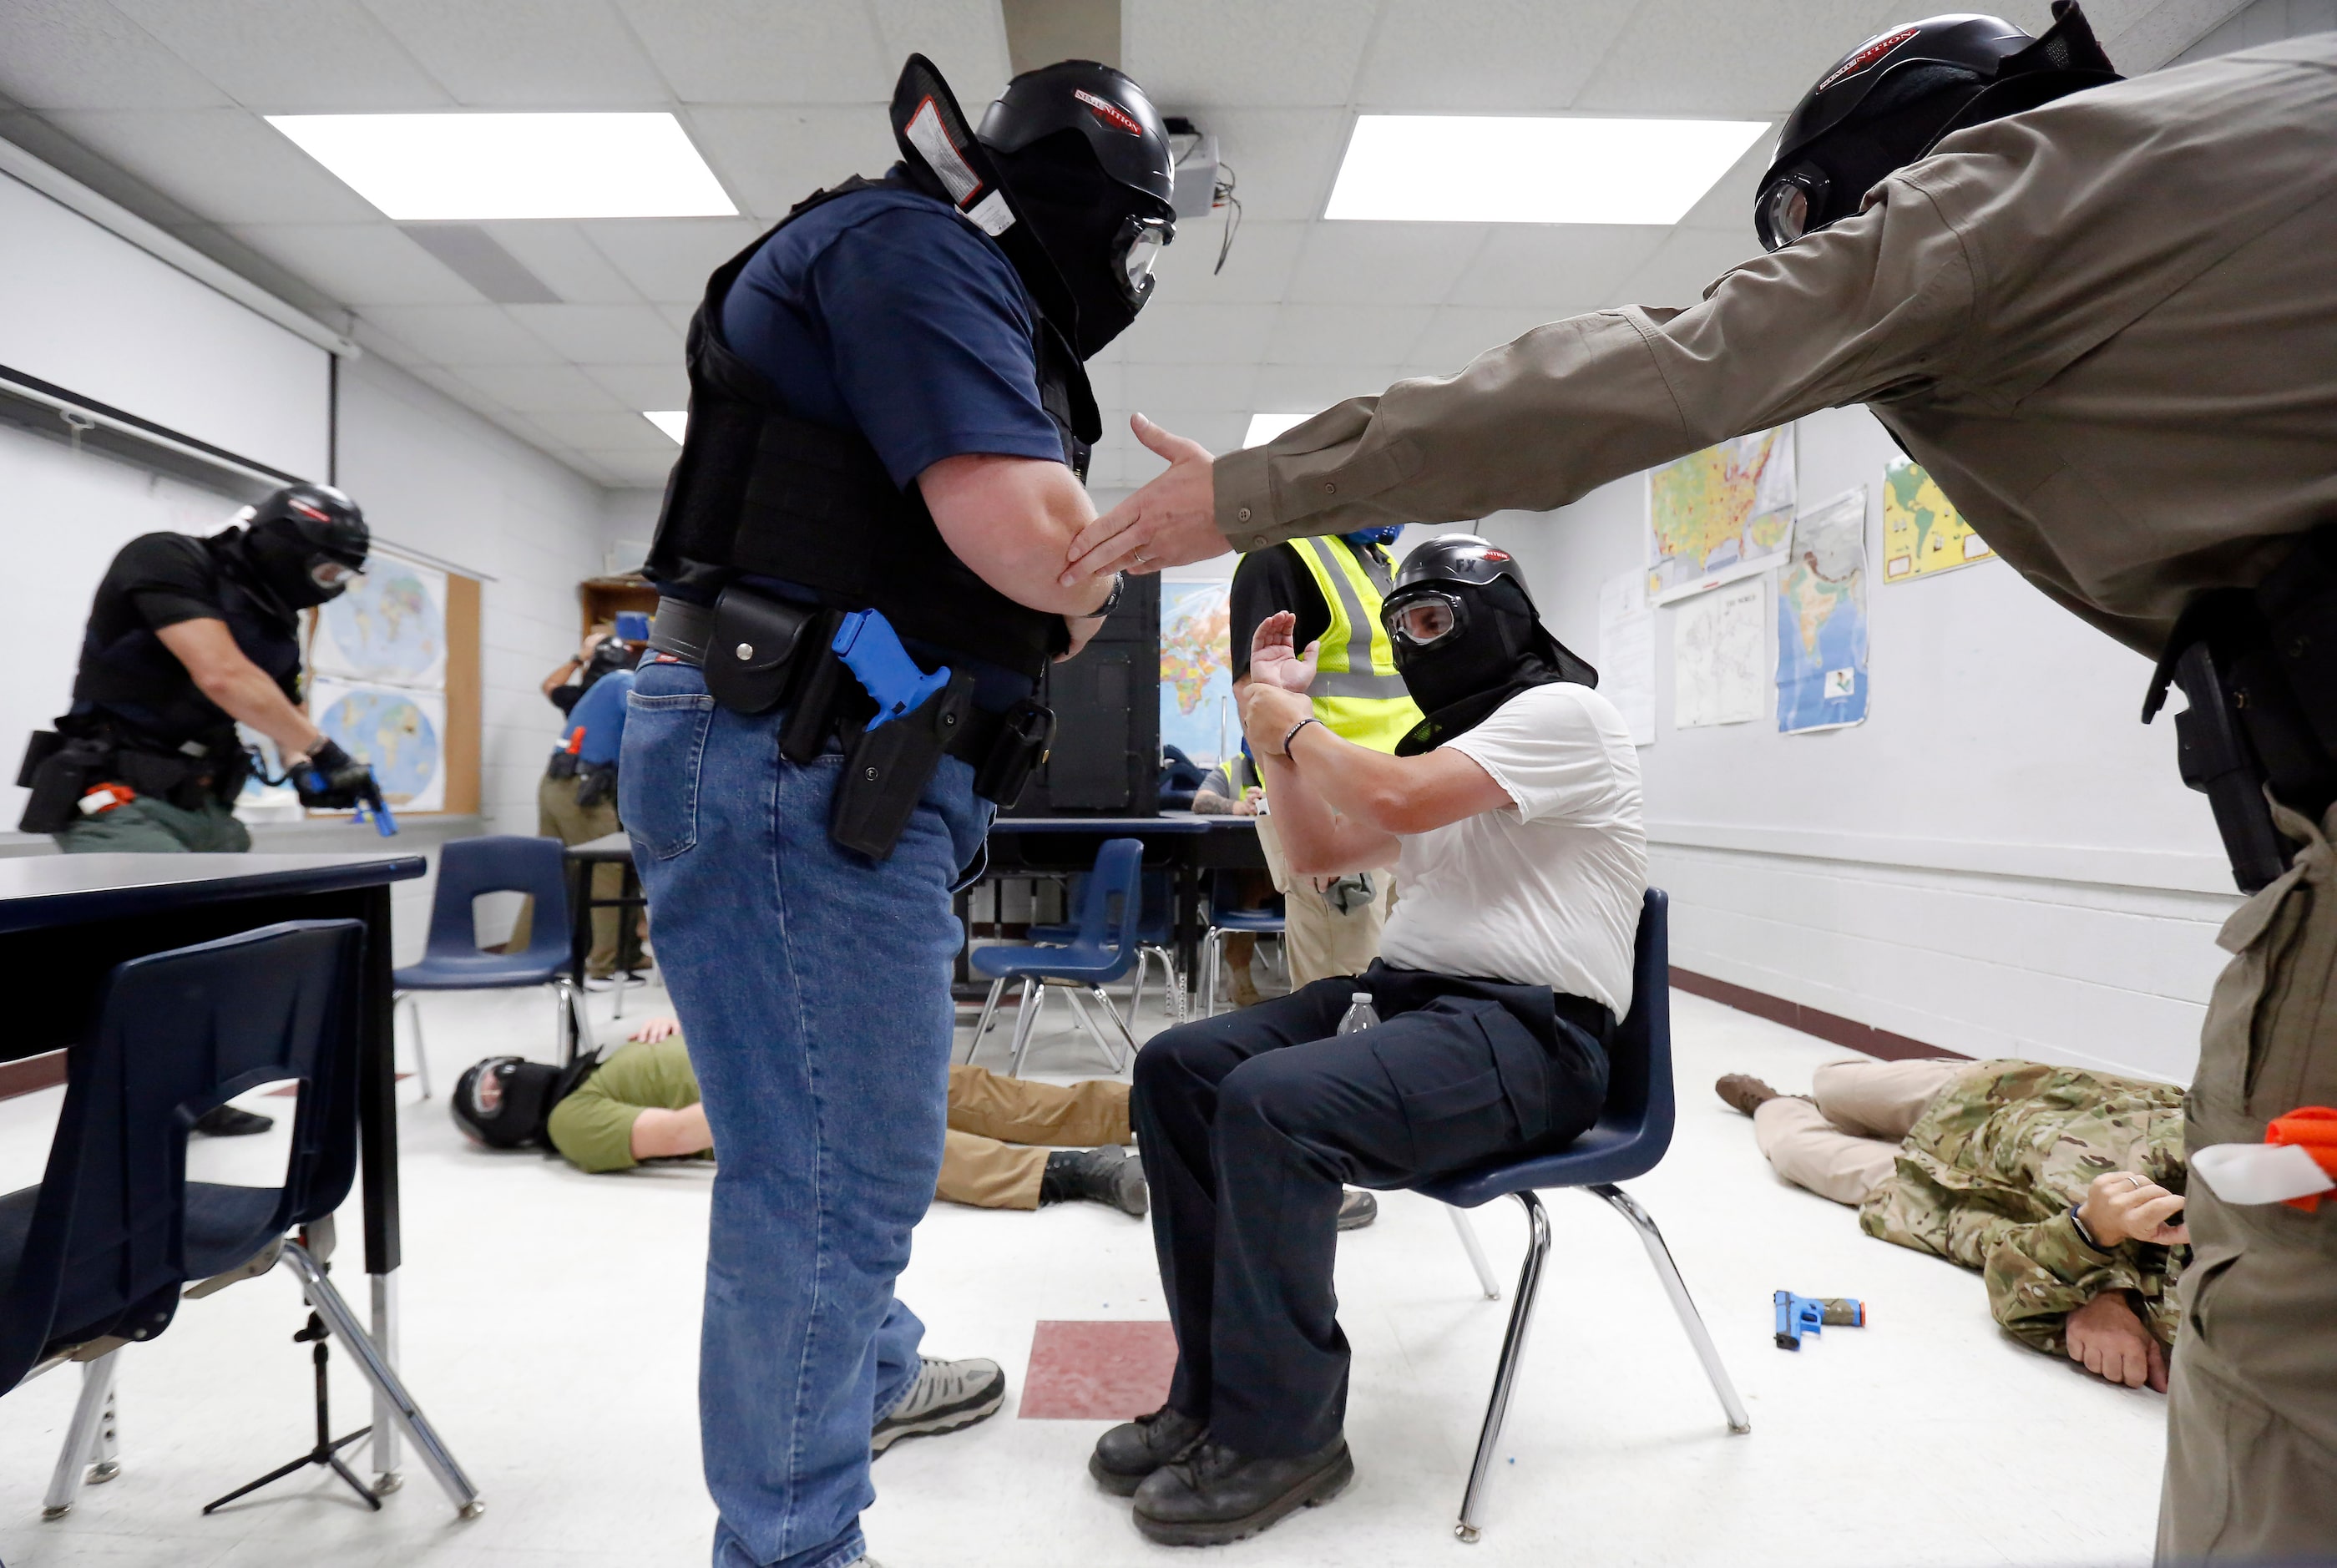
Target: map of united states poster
1719, 515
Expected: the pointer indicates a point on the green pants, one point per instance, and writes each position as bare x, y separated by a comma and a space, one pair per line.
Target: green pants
148, 826
557, 816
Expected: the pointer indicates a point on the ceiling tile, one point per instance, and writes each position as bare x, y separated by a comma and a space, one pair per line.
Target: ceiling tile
678, 315
1179, 332
670, 258
1561, 268
1219, 385
221, 163
1690, 259
764, 51
966, 39
1345, 334
1486, 57
770, 158
1311, 388
1189, 53
1257, 270
665, 384
73, 54
1729, 203
534, 389
1215, 427
359, 264
465, 335
371, 337
1459, 333
1744, 58
1383, 263
579, 53
635, 470
1282, 160
289, 56
602, 334
570, 264
616, 431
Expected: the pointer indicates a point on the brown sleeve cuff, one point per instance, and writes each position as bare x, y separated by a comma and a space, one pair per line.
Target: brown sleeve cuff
1245, 497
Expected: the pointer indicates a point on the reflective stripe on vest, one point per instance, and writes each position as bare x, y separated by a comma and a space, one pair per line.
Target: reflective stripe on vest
1357, 693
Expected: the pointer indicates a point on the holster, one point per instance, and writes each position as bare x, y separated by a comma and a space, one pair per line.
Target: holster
58, 772
564, 765
595, 782
886, 769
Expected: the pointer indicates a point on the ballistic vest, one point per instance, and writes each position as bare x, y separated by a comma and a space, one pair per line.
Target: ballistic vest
759, 492
138, 687
1357, 693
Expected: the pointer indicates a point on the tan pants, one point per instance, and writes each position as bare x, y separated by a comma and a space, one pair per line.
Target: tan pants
990, 1115
2252, 1411
557, 816
1320, 941
1843, 1146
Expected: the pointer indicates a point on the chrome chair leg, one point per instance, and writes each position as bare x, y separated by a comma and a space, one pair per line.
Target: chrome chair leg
1690, 1319
421, 1054
1505, 1375
1127, 1053
1486, 1281
389, 1389
989, 1011
1212, 956
1135, 993
88, 1438
1027, 1008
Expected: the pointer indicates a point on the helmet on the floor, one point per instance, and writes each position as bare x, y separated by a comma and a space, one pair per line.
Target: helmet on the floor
506, 1102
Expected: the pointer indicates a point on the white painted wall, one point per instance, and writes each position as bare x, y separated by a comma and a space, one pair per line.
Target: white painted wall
2001, 861
2265, 22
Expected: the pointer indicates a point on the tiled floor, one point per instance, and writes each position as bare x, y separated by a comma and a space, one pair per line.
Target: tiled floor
549, 1330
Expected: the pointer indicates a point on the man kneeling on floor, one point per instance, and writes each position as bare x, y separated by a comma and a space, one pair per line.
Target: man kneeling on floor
2064, 1187
642, 1104
1512, 813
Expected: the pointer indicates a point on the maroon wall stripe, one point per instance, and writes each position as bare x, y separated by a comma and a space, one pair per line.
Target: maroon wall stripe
1831, 1027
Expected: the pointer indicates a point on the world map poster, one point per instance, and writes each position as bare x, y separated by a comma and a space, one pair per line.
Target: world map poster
1922, 533
1719, 515
390, 625
1822, 619
1197, 709
400, 733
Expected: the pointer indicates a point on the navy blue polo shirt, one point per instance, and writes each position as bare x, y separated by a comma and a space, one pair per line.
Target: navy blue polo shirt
886, 312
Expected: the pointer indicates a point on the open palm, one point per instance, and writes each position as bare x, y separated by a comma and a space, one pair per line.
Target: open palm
1274, 660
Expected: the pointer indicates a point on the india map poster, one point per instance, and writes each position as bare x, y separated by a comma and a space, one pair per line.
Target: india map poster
1719, 515
1922, 533
1822, 619
1197, 709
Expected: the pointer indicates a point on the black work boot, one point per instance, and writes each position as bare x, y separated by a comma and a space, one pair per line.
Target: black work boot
232, 1122
1217, 1496
1134, 1449
1105, 1175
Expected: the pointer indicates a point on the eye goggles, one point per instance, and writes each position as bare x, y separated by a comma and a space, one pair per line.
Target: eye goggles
1788, 205
1142, 240
328, 573
1424, 617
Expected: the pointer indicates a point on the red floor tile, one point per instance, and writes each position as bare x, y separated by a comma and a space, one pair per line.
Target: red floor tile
1098, 1371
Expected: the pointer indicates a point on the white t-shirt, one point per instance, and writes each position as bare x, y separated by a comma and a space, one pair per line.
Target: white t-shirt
1545, 891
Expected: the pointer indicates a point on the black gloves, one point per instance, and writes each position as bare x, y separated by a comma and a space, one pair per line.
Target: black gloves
333, 780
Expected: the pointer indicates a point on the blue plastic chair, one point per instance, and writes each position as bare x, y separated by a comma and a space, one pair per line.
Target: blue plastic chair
1155, 931
1629, 1140
453, 960
95, 1255
1103, 949
1226, 921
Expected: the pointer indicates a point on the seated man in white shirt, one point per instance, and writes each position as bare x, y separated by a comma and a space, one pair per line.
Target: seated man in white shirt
1512, 816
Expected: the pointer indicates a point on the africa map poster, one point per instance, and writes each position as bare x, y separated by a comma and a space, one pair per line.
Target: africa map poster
398, 733
1822, 619
1197, 711
1719, 515
389, 626
1922, 533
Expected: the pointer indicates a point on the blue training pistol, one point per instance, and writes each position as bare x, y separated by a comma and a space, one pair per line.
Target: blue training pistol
1800, 1315
872, 650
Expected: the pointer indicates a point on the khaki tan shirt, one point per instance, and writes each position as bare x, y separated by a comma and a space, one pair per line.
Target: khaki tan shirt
2108, 327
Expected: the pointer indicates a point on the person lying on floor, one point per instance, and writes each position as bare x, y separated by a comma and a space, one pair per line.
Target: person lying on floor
642, 1104
1511, 815
2065, 1188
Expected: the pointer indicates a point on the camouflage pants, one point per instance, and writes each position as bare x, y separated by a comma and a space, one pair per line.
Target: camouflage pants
2251, 1414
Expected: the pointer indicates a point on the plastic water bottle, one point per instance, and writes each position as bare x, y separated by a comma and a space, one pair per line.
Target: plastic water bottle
1361, 1015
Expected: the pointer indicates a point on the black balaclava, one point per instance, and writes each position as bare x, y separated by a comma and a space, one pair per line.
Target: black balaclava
1498, 648
529, 1090
293, 534
1081, 216
281, 557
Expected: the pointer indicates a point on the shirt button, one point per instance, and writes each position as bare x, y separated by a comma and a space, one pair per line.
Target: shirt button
1243, 514
1258, 542
1329, 488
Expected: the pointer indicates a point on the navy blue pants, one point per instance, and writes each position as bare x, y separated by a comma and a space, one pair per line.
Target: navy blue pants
1251, 1121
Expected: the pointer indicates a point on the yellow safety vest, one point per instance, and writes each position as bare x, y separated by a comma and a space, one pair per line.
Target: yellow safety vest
1357, 693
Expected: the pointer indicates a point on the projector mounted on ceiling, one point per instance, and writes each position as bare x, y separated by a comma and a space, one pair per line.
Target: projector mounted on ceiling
1204, 182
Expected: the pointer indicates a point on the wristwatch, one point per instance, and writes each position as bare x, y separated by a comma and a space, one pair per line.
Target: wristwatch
1111, 600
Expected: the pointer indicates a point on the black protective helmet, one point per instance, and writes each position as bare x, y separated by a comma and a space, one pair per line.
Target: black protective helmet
1889, 101
1466, 636
1111, 111
306, 541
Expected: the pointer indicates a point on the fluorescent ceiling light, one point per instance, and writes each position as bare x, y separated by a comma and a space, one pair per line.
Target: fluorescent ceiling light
1264, 427
477, 166
674, 422
1457, 169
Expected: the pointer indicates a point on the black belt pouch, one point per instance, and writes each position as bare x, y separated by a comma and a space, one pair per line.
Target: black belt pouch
57, 771
887, 769
750, 654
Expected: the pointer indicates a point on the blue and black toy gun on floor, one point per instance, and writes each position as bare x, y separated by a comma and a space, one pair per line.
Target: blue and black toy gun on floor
1800, 1315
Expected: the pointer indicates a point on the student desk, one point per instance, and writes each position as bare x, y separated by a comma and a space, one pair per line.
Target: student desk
66, 920
609, 849
1187, 844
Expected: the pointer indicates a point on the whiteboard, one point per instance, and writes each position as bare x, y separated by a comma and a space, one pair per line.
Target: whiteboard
84, 310
64, 515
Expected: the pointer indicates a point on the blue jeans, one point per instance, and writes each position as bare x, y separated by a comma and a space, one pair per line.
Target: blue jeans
813, 983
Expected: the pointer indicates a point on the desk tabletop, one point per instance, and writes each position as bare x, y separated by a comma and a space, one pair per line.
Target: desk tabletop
38, 891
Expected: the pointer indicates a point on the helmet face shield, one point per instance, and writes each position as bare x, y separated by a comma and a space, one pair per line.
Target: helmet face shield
331, 575
1787, 205
1141, 242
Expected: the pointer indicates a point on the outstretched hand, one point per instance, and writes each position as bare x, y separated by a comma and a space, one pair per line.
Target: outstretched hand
1273, 659
1170, 522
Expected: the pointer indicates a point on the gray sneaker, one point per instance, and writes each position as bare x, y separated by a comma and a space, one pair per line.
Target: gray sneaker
946, 1395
